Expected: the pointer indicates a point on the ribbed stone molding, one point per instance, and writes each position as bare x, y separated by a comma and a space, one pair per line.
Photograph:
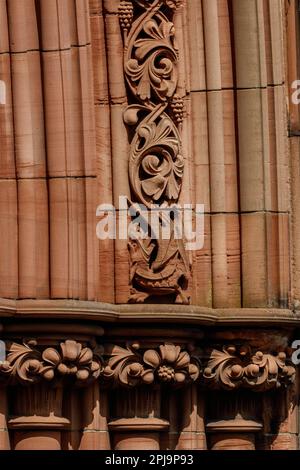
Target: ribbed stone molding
111, 313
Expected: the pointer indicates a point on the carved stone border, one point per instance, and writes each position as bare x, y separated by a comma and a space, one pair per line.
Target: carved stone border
231, 368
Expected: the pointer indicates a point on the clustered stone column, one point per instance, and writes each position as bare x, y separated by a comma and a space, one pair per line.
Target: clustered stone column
42, 384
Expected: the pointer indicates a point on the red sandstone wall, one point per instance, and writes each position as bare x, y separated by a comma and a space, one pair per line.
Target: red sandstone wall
64, 150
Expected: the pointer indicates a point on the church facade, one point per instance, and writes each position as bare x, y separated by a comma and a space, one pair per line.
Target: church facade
122, 121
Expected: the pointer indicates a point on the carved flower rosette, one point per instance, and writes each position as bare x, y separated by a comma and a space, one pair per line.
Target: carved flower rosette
71, 362
166, 365
27, 364
171, 365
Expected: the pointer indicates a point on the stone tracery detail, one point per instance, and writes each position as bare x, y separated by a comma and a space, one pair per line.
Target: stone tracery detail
158, 267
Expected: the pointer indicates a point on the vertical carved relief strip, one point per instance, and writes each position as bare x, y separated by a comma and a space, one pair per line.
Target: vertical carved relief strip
159, 267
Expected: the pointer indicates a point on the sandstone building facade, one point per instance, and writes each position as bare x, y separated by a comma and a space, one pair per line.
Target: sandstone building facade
142, 344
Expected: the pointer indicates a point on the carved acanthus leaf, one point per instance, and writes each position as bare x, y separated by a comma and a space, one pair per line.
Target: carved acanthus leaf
28, 364
151, 65
234, 368
23, 363
156, 164
166, 364
231, 368
159, 265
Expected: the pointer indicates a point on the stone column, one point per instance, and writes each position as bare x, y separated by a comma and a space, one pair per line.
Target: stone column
95, 412
192, 435
137, 424
235, 434
119, 138
233, 420
38, 422
169, 440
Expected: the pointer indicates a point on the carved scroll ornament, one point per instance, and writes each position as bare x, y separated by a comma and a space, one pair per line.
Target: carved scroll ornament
168, 364
158, 267
234, 368
28, 364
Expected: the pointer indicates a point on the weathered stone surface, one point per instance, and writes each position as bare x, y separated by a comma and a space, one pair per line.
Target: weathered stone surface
160, 101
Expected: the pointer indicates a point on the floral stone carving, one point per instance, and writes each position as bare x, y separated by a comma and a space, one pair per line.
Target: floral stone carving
159, 267
27, 364
167, 364
234, 367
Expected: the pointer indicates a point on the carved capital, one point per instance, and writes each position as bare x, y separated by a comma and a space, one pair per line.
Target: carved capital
235, 367
28, 364
167, 364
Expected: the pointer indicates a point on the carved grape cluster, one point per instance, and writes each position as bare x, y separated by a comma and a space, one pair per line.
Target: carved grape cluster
126, 14
166, 373
177, 105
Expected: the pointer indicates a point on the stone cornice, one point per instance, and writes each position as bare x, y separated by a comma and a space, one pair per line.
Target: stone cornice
229, 368
111, 313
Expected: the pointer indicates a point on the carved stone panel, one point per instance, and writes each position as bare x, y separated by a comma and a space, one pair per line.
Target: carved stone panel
159, 265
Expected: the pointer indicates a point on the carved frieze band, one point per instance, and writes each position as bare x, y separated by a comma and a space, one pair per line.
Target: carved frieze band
159, 267
231, 368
